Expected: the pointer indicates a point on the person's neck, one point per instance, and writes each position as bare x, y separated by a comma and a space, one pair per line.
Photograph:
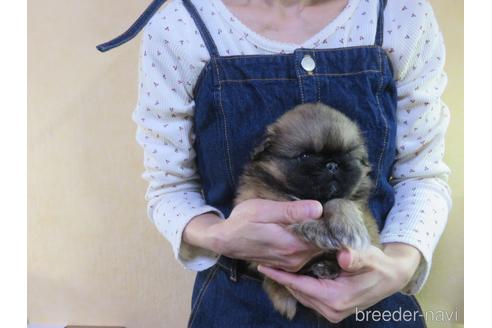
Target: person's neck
292, 6
297, 3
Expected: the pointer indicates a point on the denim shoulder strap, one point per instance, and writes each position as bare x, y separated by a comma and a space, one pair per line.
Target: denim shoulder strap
139, 24
204, 32
380, 27
134, 29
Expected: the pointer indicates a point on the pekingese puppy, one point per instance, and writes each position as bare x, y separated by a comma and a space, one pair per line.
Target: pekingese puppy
314, 152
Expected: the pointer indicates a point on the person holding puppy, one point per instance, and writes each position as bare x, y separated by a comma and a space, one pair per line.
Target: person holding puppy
214, 74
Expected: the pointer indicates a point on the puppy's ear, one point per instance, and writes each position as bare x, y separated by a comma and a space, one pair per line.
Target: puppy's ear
264, 146
261, 149
365, 161
363, 156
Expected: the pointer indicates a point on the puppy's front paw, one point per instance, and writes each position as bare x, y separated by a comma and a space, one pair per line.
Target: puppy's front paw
345, 224
317, 233
323, 270
341, 226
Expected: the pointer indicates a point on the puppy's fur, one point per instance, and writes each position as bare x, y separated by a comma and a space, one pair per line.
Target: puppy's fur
314, 152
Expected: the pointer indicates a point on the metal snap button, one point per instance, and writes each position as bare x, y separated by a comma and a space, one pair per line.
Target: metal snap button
308, 63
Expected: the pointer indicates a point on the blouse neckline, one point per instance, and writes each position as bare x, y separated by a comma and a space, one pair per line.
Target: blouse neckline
281, 46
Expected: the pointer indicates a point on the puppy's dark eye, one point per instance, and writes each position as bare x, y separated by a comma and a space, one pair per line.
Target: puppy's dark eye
304, 156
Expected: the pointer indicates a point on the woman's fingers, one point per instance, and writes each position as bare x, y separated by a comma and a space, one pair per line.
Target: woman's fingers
257, 230
366, 279
290, 280
307, 285
306, 301
339, 294
267, 211
335, 299
351, 260
326, 310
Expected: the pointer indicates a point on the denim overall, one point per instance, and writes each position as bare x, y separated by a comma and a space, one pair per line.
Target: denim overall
236, 97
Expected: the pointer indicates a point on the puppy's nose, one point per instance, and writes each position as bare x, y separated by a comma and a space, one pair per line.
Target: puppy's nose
332, 167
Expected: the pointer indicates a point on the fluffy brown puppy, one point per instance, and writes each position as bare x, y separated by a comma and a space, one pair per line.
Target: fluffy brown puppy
314, 152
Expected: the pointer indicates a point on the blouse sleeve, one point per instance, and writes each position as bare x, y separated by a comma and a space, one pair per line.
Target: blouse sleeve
422, 199
169, 65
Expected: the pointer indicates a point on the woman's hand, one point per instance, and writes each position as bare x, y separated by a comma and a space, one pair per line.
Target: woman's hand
369, 276
257, 230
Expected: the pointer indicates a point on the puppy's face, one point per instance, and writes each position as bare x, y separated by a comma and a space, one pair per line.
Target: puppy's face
314, 152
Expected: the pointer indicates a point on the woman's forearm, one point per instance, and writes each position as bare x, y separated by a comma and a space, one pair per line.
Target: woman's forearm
256, 231
407, 257
198, 233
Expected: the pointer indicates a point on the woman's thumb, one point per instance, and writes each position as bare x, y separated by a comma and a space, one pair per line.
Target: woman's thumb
350, 260
289, 212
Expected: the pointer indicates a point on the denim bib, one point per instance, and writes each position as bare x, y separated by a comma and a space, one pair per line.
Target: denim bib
236, 97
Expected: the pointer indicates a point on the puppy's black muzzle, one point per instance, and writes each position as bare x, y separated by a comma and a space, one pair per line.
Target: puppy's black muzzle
332, 167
